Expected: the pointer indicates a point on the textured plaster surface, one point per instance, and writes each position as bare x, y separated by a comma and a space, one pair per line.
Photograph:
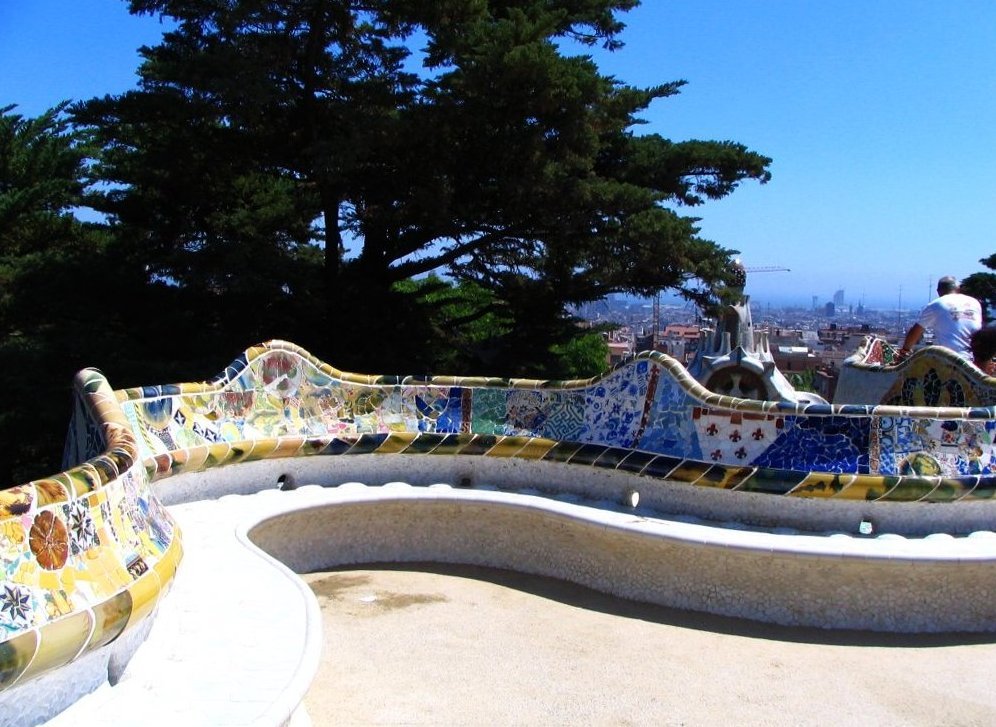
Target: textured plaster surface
611, 488
42, 698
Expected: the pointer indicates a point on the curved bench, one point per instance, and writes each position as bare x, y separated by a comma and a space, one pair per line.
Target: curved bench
646, 434
87, 555
932, 376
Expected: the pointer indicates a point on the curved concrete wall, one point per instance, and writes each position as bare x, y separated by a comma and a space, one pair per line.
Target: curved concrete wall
800, 580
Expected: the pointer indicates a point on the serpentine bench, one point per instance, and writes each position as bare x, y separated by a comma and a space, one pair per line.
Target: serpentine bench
932, 376
640, 483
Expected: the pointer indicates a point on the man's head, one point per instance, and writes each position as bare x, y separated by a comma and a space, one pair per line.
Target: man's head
947, 284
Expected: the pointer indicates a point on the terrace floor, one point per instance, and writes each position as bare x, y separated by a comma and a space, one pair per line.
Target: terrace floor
448, 645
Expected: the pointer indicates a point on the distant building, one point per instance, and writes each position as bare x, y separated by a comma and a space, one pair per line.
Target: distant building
847, 338
619, 351
620, 343
793, 358
779, 336
680, 340
644, 342
838, 298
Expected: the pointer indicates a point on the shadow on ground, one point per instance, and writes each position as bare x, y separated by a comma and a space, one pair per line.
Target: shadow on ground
581, 597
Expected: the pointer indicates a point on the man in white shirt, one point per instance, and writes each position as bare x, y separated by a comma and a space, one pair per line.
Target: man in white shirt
954, 317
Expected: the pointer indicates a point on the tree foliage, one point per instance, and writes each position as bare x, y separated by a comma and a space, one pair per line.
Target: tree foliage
982, 286
396, 139
52, 288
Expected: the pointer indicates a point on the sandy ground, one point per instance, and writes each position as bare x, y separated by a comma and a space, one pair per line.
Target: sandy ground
454, 645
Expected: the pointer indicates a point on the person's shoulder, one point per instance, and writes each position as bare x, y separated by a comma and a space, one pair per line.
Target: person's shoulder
973, 300
967, 300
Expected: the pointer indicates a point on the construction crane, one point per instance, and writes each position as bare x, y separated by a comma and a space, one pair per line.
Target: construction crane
655, 334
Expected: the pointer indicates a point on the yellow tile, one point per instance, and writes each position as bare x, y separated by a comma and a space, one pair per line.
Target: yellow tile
822, 484
61, 603
16, 655
260, 448
61, 641
196, 456
49, 491
166, 566
689, 471
219, 452
288, 446
507, 446
104, 572
145, 593
16, 500
396, 443
536, 448
865, 487
111, 616
724, 477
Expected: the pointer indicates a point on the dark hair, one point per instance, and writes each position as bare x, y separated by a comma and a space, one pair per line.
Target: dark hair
947, 284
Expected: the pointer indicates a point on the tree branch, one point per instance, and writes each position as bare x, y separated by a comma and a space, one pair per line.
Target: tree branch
425, 265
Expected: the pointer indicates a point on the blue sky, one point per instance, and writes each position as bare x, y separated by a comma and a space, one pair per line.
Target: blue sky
880, 118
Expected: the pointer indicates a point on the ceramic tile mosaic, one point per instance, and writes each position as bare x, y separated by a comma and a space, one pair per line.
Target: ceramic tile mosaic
279, 391
83, 553
932, 376
87, 553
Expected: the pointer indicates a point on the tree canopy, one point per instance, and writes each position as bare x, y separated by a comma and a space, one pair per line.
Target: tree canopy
982, 286
287, 151
52, 290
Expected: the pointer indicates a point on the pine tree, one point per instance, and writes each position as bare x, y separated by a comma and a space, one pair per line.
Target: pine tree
395, 139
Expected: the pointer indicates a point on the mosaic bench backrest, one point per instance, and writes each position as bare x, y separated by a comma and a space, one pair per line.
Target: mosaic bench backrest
933, 376
647, 416
86, 554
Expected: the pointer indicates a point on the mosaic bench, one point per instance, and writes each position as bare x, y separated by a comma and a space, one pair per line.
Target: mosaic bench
932, 376
768, 498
